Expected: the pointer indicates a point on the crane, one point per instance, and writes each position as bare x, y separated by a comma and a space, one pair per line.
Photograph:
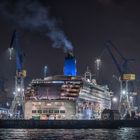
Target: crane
121, 69
17, 106
125, 103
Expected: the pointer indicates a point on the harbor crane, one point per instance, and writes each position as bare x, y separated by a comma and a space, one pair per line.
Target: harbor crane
125, 77
17, 106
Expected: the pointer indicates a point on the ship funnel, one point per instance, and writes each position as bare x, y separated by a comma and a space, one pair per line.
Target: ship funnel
70, 65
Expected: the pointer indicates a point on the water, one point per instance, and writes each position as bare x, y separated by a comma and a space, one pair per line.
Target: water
70, 134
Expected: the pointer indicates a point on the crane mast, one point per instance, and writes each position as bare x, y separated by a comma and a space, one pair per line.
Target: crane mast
125, 103
17, 106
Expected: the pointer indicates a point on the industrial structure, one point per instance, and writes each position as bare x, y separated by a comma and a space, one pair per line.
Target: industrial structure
17, 106
125, 77
66, 96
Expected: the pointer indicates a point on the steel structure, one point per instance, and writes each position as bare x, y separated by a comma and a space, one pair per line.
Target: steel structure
125, 103
17, 106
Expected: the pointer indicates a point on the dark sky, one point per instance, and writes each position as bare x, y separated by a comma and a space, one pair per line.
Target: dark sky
86, 24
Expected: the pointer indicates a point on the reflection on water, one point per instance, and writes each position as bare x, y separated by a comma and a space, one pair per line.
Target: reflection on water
70, 134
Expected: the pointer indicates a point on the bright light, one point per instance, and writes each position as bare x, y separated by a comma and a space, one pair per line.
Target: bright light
45, 67
98, 63
114, 99
11, 114
131, 98
18, 89
23, 89
7, 104
45, 70
123, 92
14, 93
10, 52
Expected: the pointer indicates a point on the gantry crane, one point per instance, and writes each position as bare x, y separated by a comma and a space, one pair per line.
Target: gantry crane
17, 106
125, 103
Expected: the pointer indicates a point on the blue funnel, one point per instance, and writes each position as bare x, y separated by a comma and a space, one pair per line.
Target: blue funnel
70, 65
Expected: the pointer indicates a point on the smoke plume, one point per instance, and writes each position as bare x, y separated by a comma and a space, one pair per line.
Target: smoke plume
33, 15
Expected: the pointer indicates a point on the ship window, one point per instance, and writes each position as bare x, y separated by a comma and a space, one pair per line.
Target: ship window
56, 111
62, 111
39, 111
33, 111
45, 111
50, 111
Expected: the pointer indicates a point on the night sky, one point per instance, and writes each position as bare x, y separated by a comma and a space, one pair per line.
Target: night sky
84, 25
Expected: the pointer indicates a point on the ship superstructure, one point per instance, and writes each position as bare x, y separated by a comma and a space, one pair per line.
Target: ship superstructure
66, 96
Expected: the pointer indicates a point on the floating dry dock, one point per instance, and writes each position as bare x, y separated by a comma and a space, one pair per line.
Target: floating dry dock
68, 124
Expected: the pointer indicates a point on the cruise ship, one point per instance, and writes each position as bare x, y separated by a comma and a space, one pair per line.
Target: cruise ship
66, 96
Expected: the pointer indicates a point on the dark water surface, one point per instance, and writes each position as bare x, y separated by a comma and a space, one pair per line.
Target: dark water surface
70, 134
